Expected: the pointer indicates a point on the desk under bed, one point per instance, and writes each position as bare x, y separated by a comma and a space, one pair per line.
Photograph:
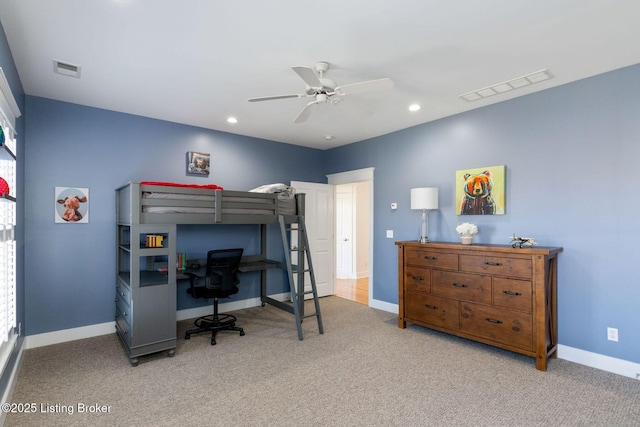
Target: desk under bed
146, 298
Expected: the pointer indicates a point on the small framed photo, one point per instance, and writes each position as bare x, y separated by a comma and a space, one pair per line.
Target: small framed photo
198, 163
71, 205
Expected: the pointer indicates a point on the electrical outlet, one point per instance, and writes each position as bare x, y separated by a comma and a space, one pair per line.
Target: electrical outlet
612, 334
389, 234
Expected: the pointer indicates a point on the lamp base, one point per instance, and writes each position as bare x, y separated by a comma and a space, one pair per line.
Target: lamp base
424, 227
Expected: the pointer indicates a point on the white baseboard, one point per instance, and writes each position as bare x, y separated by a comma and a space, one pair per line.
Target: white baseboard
57, 337
226, 307
598, 361
384, 306
65, 335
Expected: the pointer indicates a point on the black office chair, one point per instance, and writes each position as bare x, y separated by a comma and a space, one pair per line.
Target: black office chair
221, 281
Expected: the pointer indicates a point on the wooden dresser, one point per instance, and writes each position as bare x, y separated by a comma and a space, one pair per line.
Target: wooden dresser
494, 294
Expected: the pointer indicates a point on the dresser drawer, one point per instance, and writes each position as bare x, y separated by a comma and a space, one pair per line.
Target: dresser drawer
461, 286
123, 320
433, 310
497, 324
501, 266
417, 279
123, 293
427, 258
512, 293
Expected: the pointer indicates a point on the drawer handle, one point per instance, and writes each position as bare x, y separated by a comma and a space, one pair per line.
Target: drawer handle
418, 278
431, 258
431, 307
459, 285
515, 294
495, 264
497, 322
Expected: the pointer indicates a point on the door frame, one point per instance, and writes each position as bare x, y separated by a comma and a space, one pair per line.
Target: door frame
350, 177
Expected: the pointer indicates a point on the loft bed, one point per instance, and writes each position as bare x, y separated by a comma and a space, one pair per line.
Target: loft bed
147, 208
149, 202
169, 203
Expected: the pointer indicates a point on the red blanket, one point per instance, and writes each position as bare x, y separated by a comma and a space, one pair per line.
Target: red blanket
173, 184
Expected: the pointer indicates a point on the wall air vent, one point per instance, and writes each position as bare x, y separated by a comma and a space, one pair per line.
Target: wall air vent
498, 88
66, 69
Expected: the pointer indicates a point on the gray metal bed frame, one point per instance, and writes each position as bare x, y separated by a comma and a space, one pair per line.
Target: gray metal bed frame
243, 204
229, 207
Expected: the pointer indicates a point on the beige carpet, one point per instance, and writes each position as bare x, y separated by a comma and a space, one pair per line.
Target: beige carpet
363, 371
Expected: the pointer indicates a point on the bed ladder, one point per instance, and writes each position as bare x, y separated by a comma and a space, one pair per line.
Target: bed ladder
289, 224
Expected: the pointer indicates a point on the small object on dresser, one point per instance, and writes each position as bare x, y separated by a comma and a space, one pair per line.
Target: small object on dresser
519, 242
466, 231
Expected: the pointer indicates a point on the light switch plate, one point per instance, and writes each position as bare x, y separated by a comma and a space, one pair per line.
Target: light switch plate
389, 234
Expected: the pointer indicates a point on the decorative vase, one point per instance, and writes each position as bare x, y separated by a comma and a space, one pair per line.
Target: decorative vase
466, 239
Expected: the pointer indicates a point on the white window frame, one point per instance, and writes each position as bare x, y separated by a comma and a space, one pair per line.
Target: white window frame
9, 111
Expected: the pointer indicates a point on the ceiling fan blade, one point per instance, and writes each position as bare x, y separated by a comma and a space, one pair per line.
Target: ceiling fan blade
368, 86
305, 113
270, 98
308, 75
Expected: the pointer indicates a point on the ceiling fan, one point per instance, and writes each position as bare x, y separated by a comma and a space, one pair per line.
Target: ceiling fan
323, 90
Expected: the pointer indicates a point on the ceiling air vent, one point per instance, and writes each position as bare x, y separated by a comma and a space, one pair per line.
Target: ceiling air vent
498, 88
66, 69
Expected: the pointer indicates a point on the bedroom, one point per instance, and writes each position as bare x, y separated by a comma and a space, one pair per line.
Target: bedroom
569, 151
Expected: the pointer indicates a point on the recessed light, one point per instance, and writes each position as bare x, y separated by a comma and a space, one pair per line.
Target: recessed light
329, 137
232, 120
414, 107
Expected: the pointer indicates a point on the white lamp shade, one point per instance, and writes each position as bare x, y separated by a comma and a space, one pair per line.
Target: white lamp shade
424, 198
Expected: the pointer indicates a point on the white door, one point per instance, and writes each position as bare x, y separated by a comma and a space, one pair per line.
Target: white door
319, 219
344, 232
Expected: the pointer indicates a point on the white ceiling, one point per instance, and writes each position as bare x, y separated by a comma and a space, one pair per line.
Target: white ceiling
198, 61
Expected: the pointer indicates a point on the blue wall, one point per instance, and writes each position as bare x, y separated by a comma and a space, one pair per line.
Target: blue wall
571, 155
69, 268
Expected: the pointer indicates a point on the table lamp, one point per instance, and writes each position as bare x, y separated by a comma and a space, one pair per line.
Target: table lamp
424, 198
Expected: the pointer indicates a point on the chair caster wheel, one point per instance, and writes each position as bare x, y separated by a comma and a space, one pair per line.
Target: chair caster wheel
241, 333
213, 342
187, 337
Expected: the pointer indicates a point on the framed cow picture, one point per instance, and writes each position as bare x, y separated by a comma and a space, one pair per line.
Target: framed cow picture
481, 191
71, 205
